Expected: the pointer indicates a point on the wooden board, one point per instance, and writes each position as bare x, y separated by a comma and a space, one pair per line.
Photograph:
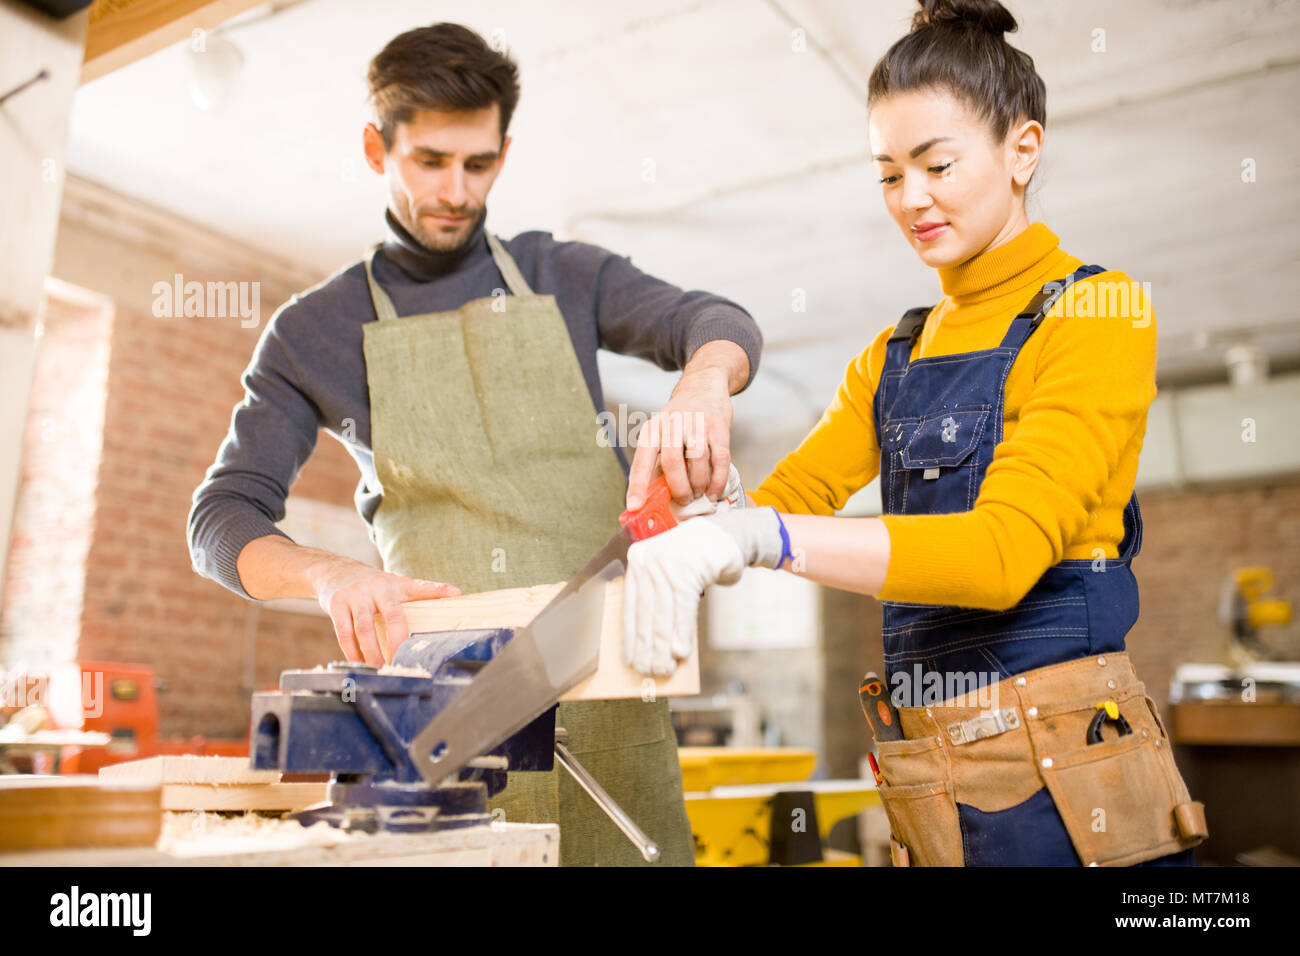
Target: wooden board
38, 812
189, 768
215, 783
234, 797
515, 607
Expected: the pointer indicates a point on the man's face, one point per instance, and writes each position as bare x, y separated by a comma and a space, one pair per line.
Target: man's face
439, 171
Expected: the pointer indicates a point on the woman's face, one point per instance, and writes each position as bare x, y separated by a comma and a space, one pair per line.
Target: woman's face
953, 191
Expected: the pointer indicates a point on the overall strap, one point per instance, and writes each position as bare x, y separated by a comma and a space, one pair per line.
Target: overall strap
1023, 325
506, 264
383, 304
898, 350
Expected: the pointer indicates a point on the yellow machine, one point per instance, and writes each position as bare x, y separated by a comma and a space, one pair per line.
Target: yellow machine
1245, 609
756, 807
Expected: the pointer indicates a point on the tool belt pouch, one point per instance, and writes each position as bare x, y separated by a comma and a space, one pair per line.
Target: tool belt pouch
919, 801
1122, 798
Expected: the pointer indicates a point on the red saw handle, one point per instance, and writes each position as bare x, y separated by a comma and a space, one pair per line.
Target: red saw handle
653, 517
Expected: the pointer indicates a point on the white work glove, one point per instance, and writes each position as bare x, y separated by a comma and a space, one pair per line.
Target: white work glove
667, 574
733, 496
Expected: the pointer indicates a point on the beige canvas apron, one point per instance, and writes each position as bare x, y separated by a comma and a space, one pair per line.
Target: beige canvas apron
485, 446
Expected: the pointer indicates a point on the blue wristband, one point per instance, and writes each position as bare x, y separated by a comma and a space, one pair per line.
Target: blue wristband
785, 539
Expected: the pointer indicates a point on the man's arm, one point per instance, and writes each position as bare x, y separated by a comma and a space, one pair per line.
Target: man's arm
717, 345
351, 593
232, 533
272, 434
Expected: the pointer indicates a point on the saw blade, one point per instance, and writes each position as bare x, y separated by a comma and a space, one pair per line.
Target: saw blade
552, 654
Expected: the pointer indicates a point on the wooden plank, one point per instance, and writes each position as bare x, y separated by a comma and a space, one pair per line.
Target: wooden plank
189, 769
515, 607
191, 782
39, 812
236, 798
123, 31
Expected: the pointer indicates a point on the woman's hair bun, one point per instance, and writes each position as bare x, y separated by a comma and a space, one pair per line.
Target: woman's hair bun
958, 46
987, 15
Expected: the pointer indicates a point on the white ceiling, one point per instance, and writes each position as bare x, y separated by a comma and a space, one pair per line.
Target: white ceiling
761, 181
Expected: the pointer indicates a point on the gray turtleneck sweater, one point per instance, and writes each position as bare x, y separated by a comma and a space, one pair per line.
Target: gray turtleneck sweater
308, 371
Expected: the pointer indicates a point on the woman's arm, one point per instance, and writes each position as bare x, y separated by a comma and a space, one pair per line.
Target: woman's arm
851, 554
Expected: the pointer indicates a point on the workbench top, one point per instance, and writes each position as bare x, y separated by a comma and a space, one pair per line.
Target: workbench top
209, 839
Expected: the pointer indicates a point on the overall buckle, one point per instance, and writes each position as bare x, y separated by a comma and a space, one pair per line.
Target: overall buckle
988, 724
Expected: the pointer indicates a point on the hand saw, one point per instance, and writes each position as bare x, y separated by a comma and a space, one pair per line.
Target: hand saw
553, 653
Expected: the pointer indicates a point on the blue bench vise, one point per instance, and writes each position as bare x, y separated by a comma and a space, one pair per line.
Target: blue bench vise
357, 723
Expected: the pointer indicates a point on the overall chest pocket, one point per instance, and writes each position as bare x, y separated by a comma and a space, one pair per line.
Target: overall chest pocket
940, 467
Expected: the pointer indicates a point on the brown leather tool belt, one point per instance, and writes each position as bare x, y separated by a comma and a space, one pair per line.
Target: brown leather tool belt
1121, 797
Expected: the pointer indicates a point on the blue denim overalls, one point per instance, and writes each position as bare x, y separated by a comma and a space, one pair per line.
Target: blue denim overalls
938, 421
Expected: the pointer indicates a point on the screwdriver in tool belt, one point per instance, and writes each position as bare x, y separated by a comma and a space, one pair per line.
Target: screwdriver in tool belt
878, 709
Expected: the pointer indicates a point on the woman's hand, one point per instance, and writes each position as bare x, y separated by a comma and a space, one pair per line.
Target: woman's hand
667, 574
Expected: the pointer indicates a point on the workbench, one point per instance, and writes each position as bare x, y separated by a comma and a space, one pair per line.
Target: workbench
209, 839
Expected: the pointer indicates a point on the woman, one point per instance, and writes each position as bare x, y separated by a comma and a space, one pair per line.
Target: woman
1005, 424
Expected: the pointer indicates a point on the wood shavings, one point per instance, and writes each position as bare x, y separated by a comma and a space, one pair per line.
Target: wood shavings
400, 671
211, 834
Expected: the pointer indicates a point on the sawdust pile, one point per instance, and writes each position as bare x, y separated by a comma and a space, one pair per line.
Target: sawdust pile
197, 833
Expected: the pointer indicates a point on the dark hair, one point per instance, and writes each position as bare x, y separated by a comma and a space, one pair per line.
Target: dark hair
957, 45
444, 67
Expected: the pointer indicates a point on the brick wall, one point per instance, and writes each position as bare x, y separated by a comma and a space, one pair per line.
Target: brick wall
171, 386
167, 388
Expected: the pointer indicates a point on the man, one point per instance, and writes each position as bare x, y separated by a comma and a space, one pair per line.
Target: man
469, 404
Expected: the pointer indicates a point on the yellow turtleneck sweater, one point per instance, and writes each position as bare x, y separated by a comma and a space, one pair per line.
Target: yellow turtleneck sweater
1075, 416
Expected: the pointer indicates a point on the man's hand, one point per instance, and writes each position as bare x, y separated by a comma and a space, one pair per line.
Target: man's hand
352, 594
690, 438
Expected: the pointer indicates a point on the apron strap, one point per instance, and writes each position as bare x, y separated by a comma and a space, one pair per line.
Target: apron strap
383, 304
506, 264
